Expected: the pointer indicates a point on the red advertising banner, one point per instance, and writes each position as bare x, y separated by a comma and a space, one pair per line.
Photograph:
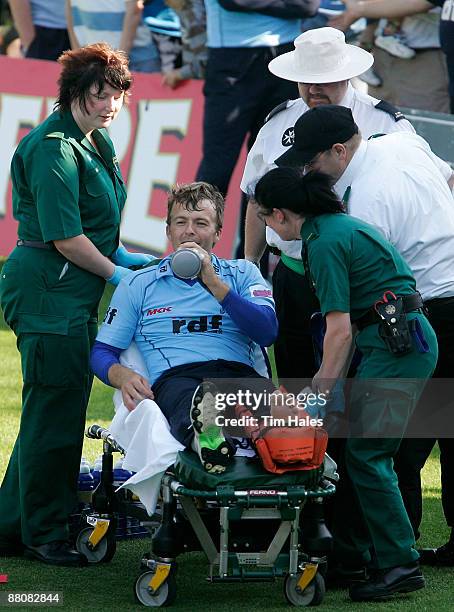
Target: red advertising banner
157, 137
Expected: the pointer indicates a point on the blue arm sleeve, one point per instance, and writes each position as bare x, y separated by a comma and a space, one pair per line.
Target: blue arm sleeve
102, 357
257, 321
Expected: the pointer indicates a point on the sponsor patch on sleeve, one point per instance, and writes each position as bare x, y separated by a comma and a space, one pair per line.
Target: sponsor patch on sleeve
111, 313
260, 291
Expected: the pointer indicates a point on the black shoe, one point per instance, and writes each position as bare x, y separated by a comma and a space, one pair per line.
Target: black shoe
384, 583
427, 556
11, 548
442, 556
445, 554
56, 553
343, 577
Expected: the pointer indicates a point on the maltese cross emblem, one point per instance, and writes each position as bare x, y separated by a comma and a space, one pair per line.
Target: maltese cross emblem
288, 137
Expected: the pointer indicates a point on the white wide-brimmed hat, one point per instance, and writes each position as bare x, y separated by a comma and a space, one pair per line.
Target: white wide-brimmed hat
321, 56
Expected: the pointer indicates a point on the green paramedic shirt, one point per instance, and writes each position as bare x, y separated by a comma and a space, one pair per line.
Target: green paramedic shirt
62, 187
351, 264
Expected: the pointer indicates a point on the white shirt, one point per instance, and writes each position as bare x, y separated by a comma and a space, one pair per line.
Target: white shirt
397, 186
277, 135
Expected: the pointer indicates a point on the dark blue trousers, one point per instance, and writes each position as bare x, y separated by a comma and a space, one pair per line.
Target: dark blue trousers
239, 92
175, 388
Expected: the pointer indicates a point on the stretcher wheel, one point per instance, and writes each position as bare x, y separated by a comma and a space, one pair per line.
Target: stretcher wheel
165, 595
311, 596
103, 552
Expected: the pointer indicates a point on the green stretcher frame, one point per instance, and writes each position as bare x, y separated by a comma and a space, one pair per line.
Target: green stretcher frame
245, 491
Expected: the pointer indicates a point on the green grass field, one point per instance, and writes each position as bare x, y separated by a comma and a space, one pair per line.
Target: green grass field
109, 587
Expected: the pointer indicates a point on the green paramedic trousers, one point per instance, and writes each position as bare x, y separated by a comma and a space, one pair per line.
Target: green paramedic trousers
371, 526
54, 319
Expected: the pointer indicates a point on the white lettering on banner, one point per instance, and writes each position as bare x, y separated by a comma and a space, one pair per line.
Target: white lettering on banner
151, 168
17, 111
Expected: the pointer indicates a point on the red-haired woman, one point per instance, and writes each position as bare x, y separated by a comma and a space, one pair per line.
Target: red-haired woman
68, 194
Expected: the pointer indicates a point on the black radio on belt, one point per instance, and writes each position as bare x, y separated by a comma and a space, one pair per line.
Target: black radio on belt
393, 326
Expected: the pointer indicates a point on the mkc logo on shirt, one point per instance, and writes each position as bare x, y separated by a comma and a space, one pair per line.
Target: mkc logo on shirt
161, 310
198, 325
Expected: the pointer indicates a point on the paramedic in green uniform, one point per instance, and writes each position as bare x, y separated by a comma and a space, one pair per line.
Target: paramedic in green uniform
352, 267
68, 194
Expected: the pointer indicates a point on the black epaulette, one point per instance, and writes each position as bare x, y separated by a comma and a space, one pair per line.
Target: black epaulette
388, 108
376, 135
277, 109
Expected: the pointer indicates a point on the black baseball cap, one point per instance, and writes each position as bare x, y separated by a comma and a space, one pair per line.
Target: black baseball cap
318, 129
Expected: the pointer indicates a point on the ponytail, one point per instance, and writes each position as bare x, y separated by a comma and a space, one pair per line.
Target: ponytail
303, 194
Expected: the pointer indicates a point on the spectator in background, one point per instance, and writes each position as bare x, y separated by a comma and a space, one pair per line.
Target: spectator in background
390, 38
164, 26
117, 22
423, 82
41, 25
194, 52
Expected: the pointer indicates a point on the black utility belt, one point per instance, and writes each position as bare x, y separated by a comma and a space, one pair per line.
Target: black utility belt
35, 244
409, 302
398, 334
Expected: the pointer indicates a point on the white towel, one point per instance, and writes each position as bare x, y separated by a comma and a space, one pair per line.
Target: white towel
145, 435
150, 448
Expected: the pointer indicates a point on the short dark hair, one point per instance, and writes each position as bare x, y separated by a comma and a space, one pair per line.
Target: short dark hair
82, 68
303, 194
189, 196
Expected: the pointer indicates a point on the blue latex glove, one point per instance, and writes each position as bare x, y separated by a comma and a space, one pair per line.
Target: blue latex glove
119, 273
336, 402
122, 257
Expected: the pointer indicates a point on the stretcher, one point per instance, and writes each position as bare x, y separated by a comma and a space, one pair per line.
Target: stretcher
252, 525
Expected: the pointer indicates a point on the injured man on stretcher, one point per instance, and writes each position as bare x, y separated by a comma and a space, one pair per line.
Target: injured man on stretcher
187, 331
